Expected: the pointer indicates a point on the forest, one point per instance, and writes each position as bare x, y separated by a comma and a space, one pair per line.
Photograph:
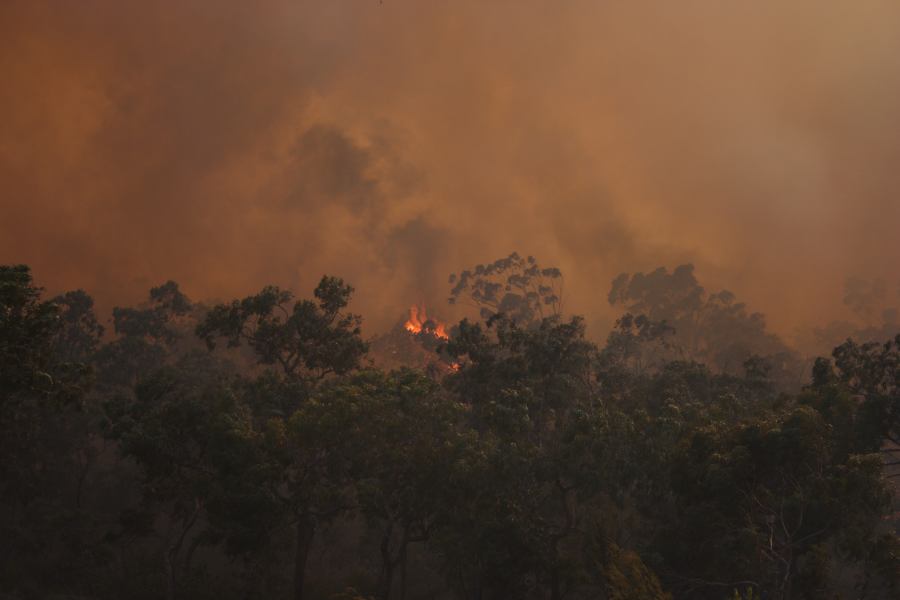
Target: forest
264, 447
469, 300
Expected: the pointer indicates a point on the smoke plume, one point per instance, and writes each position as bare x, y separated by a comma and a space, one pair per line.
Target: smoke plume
228, 144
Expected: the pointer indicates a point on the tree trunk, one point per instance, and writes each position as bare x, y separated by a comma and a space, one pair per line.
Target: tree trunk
478, 594
403, 560
189, 557
554, 586
170, 574
387, 568
305, 533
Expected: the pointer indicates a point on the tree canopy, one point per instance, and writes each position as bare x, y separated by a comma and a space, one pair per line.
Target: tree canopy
673, 461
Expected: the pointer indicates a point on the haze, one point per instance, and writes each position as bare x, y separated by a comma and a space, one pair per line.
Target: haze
227, 145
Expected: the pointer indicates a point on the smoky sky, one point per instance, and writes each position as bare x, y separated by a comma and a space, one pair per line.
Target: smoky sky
228, 145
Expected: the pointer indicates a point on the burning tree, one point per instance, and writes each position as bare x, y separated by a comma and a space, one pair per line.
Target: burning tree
419, 322
416, 342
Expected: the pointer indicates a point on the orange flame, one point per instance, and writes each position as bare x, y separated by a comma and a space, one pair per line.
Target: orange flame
417, 320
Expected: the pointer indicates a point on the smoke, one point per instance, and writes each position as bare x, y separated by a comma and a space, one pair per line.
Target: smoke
227, 145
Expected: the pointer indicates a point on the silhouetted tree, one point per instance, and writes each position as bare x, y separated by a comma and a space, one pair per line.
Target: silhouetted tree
42, 431
712, 328
516, 287
307, 342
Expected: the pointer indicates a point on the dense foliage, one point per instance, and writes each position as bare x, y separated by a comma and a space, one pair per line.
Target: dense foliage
679, 460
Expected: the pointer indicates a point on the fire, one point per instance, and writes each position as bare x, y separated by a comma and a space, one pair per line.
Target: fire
418, 321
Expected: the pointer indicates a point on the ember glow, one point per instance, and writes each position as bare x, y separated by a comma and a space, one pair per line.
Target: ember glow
418, 322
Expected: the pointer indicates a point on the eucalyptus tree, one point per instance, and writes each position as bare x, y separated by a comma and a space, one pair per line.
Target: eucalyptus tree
147, 337
300, 344
707, 326
197, 452
537, 505
771, 504
516, 287
42, 394
404, 442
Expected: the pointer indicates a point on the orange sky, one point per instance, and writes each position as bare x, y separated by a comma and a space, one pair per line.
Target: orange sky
229, 144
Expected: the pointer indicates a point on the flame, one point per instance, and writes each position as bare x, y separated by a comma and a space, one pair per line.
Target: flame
418, 319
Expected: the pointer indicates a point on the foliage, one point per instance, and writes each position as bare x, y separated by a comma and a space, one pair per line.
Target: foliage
872, 371
672, 462
712, 328
516, 287
193, 442
43, 445
146, 337
308, 341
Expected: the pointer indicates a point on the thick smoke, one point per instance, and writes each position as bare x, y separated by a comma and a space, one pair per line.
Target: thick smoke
230, 144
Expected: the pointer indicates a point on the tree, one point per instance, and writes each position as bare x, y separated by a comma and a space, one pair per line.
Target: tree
30, 327
628, 578
871, 371
307, 342
548, 452
636, 344
188, 433
712, 328
80, 333
41, 429
767, 504
147, 337
876, 316
518, 288
406, 435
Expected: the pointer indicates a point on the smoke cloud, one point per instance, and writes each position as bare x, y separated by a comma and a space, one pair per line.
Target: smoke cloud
228, 145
